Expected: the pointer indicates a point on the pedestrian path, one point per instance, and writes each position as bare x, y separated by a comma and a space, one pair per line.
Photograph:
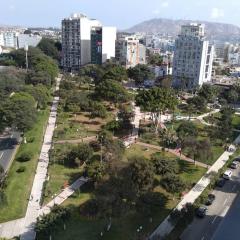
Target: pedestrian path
166, 226
181, 156
25, 227
64, 195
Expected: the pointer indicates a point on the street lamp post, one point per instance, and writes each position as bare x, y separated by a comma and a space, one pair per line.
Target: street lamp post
26, 50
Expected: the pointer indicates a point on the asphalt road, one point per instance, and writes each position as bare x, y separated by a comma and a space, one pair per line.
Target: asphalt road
221, 216
8, 144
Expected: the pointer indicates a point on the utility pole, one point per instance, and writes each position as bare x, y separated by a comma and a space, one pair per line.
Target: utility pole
26, 50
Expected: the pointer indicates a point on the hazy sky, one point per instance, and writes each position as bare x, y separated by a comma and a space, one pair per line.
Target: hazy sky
120, 13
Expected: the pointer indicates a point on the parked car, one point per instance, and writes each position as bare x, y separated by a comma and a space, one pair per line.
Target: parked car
227, 175
237, 159
201, 211
234, 165
221, 182
211, 198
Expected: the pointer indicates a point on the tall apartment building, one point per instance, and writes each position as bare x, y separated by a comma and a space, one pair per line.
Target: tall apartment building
193, 58
83, 41
129, 52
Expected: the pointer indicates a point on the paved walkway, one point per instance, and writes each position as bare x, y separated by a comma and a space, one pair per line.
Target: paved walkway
166, 226
64, 195
182, 157
25, 226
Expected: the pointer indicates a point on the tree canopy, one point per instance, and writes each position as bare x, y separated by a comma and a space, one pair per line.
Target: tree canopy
140, 73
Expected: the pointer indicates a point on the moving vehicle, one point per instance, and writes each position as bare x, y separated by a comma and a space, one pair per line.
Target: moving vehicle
234, 165
201, 211
211, 198
227, 175
221, 182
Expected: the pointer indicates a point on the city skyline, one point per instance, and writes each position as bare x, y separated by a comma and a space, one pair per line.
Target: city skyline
43, 13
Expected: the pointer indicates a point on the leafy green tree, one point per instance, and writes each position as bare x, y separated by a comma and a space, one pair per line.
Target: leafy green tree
115, 72
37, 60
186, 129
156, 101
232, 96
48, 223
39, 77
141, 172
199, 103
163, 166
173, 183
98, 110
48, 46
40, 94
96, 170
208, 92
95, 72
20, 111
125, 116
80, 154
111, 90
140, 73
155, 59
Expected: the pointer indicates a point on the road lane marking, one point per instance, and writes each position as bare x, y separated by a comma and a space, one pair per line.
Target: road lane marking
11, 136
225, 201
1, 155
214, 219
203, 238
224, 212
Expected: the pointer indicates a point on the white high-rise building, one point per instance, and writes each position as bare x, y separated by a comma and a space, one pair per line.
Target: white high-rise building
109, 36
193, 58
78, 47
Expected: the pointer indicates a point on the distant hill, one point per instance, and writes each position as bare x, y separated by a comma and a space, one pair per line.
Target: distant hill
217, 31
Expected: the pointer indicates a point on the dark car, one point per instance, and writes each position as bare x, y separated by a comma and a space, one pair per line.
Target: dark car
211, 198
237, 159
221, 182
201, 211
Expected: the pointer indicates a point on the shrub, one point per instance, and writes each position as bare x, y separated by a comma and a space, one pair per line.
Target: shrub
25, 157
21, 169
95, 146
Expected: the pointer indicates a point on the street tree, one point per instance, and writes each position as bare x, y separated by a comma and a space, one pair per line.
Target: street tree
20, 111
156, 101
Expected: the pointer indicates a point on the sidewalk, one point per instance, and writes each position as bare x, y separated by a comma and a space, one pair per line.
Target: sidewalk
182, 157
166, 226
25, 226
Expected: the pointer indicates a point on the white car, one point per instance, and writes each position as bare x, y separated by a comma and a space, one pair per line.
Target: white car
227, 175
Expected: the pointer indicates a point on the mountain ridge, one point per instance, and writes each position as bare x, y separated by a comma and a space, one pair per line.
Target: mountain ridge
214, 30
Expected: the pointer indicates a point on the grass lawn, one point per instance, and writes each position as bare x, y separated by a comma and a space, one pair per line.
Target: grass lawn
78, 126
236, 121
19, 184
146, 152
